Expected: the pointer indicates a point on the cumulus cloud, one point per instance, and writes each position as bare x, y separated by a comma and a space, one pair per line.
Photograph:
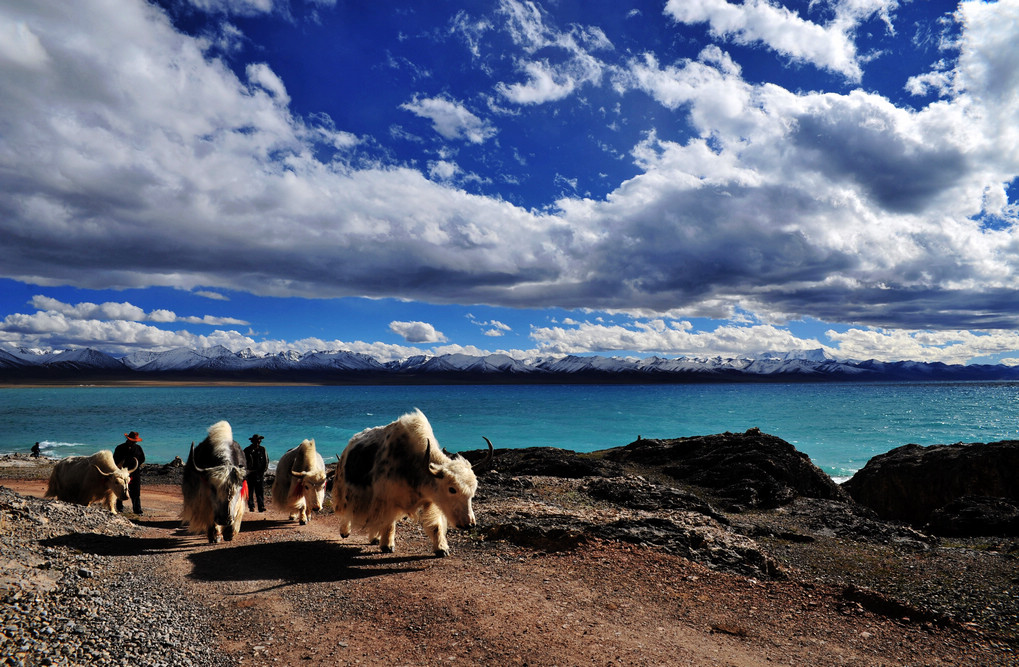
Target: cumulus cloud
89, 311
120, 312
953, 347
667, 337
678, 338
829, 47
840, 206
451, 119
492, 328
417, 332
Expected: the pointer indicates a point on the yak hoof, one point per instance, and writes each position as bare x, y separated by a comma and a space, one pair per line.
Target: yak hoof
387, 549
375, 540
344, 535
228, 533
441, 553
302, 522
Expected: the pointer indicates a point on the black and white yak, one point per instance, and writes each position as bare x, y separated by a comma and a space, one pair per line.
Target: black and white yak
213, 485
389, 472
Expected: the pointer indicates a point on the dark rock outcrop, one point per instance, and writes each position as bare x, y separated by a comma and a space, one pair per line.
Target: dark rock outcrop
743, 470
828, 518
972, 517
551, 462
638, 493
911, 483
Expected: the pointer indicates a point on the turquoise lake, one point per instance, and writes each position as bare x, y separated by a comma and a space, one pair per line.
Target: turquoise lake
840, 426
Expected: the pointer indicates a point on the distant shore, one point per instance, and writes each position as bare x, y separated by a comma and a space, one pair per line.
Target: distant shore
56, 384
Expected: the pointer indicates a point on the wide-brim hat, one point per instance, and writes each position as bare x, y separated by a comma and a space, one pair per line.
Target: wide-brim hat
256, 438
133, 436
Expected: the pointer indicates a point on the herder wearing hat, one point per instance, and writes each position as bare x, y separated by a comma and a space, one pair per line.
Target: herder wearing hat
125, 456
257, 462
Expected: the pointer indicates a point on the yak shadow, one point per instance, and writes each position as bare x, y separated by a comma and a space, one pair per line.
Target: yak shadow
162, 524
116, 545
261, 523
299, 562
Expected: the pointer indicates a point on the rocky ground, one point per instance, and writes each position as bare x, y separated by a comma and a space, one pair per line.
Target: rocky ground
576, 560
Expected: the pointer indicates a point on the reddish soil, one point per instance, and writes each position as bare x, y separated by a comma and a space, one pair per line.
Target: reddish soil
289, 594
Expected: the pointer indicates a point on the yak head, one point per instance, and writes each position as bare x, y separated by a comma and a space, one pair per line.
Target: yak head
118, 479
310, 482
312, 485
454, 484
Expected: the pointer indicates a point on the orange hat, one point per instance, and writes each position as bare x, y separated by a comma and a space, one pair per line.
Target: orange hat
133, 436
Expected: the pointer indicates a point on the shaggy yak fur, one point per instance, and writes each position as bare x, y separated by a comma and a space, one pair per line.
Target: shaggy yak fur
300, 484
389, 472
212, 485
87, 479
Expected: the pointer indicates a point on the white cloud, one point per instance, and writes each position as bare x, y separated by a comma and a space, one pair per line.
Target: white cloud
451, 119
492, 328
121, 312
443, 170
952, 347
53, 330
679, 338
779, 203
545, 81
215, 296
87, 311
240, 7
761, 22
672, 338
20, 46
263, 76
417, 332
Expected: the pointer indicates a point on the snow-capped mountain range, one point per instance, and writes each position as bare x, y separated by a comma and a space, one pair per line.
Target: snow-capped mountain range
341, 366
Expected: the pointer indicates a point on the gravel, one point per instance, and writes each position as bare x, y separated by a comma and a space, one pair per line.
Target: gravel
64, 605
78, 587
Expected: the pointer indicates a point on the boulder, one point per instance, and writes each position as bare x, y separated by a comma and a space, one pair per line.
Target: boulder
910, 483
743, 470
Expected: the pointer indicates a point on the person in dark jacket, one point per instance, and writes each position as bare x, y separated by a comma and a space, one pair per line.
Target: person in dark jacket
125, 456
258, 462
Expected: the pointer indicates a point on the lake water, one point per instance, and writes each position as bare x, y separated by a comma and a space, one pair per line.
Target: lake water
840, 426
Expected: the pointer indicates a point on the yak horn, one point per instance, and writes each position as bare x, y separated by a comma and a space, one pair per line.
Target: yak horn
486, 462
191, 459
101, 471
302, 473
136, 464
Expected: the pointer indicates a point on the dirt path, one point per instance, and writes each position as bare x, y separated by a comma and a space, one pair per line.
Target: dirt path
289, 594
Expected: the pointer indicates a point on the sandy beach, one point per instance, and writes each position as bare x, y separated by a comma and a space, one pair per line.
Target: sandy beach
280, 593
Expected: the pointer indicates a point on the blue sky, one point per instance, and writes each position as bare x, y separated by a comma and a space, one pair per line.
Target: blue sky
691, 177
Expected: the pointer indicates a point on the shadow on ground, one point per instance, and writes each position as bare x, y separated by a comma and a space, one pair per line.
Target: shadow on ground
117, 545
299, 562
